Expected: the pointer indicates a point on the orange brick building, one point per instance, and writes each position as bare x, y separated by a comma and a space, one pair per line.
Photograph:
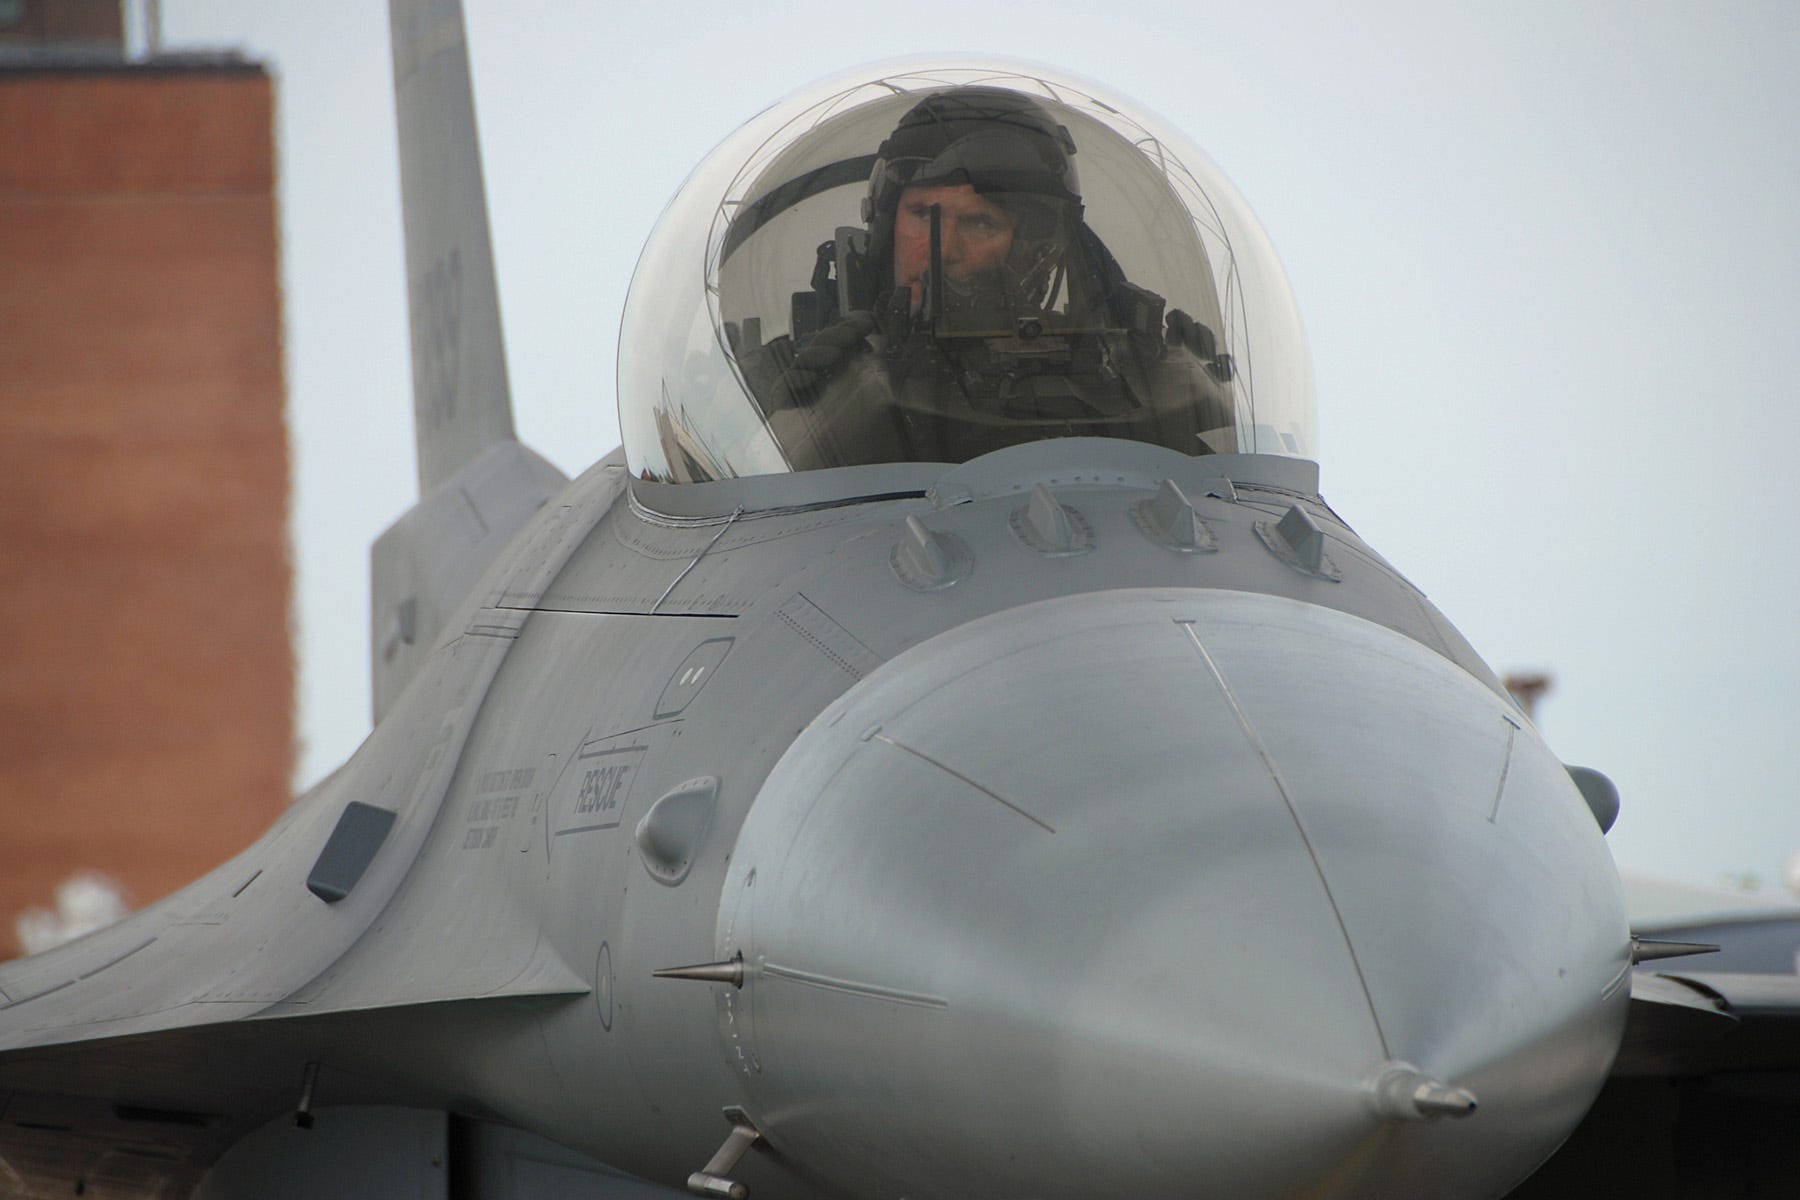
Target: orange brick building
146, 674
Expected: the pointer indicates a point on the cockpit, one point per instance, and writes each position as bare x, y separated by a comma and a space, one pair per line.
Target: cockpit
928, 264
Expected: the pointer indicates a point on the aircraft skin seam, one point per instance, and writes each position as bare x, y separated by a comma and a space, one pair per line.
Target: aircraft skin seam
1287, 800
818, 644
988, 792
855, 987
1512, 733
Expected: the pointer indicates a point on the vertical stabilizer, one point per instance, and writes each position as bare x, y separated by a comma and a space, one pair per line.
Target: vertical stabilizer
477, 486
461, 403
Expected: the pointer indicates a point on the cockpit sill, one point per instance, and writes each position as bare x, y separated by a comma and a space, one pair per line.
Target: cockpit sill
1060, 462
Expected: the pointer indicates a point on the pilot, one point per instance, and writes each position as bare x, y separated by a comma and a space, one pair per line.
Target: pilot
976, 234
975, 309
1002, 175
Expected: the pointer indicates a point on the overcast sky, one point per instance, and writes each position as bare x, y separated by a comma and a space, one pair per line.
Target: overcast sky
1548, 256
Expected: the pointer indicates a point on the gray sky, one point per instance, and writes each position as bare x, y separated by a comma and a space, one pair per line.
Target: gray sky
1548, 255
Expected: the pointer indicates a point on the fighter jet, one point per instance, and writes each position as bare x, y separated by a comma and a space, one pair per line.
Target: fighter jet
950, 750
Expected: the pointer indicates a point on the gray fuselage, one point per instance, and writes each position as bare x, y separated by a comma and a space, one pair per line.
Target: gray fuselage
1148, 858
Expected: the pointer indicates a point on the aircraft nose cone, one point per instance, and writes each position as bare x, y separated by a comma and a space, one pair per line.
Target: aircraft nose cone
1165, 893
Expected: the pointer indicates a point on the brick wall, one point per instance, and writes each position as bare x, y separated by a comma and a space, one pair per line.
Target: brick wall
146, 675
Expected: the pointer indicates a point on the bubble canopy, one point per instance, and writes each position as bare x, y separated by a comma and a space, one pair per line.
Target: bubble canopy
927, 262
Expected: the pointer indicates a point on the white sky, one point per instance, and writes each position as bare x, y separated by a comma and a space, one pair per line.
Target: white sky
1548, 254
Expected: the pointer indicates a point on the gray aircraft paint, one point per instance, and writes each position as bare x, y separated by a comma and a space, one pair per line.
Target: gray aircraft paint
1067, 847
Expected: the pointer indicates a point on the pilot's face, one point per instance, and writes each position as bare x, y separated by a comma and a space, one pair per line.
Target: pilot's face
976, 235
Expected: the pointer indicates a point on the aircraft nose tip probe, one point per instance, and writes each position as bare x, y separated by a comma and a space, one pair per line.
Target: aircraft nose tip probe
1146, 881
1401, 1092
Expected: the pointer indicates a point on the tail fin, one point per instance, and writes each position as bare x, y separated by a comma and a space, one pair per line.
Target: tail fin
461, 404
477, 485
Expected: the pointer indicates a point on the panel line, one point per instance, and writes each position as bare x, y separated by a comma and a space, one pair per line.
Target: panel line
1262, 752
